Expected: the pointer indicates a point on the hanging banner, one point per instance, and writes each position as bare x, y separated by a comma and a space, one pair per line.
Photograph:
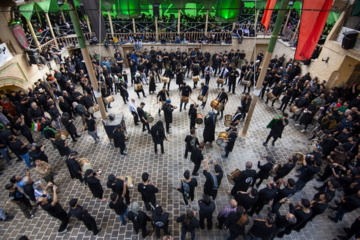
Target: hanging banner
20, 35
267, 14
5, 54
92, 8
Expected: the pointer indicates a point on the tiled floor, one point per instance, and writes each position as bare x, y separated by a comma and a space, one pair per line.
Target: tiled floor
165, 170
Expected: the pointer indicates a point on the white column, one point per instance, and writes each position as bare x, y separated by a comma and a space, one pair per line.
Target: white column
111, 26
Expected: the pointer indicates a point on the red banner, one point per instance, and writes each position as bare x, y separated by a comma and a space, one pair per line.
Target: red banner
20, 35
267, 14
313, 19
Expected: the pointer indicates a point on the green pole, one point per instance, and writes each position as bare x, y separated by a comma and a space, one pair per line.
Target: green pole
81, 39
265, 63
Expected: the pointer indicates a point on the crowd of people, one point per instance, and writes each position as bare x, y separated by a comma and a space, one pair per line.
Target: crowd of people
52, 106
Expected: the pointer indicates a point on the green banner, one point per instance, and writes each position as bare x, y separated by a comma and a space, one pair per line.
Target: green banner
48, 6
27, 10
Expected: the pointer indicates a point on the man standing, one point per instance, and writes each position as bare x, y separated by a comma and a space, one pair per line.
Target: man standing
230, 140
184, 92
54, 209
21, 200
277, 126
147, 190
213, 180
204, 94
207, 207
265, 170
232, 79
82, 214
133, 110
307, 175
197, 158
44, 170
90, 124
223, 215
222, 98
191, 142
243, 181
143, 117
69, 125
265, 196
162, 97
168, 109
20, 148
161, 221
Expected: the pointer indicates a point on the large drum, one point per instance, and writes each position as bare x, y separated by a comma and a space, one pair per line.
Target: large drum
300, 158
94, 109
165, 79
313, 144
64, 135
200, 97
221, 139
271, 96
148, 116
184, 99
220, 81
295, 110
108, 100
231, 176
246, 83
138, 87
196, 79
199, 118
85, 164
217, 105
227, 120
275, 168
129, 180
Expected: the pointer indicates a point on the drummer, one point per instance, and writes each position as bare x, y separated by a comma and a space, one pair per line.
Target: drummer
137, 80
276, 90
204, 93
236, 117
222, 98
162, 96
184, 92
195, 73
233, 133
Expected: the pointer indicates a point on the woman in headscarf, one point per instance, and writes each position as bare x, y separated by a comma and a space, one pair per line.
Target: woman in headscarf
209, 129
119, 140
158, 135
192, 115
92, 180
152, 83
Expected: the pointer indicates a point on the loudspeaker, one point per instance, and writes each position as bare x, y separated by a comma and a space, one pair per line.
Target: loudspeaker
32, 52
34, 57
349, 39
156, 10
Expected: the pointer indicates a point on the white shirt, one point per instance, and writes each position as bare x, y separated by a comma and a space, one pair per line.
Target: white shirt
133, 107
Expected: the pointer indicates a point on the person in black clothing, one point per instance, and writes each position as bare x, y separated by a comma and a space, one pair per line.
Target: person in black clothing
264, 197
213, 180
54, 209
302, 212
184, 92
277, 90
236, 222
320, 205
65, 106
117, 204
243, 180
189, 190
189, 224
327, 188
246, 199
232, 80
161, 221
162, 97
158, 135
143, 117
82, 214
285, 100
117, 186
28, 187
23, 128
301, 103
209, 129
347, 204
279, 123
207, 207
222, 98
21, 200
245, 105
168, 109
119, 140
193, 115
55, 115
230, 140
195, 73
169, 74
283, 221
92, 179
74, 166
262, 229
308, 174
197, 158
123, 90
288, 191
191, 142
264, 171
69, 125
179, 76
353, 230
147, 190
139, 219
38, 153
286, 168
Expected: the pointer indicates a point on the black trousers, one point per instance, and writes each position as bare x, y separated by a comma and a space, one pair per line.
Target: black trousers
90, 223
208, 219
161, 145
167, 127
165, 228
232, 85
146, 126
269, 136
196, 169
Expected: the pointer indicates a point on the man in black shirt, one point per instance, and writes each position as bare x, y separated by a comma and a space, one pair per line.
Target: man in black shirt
353, 230
54, 209
277, 126
21, 200
117, 204
347, 204
222, 98
264, 171
82, 214
191, 142
185, 94
143, 117
286, 168
20, 149
23, 128
197, 158
213, 180
288, 191
283, 221
161, 221
243, 180
262, 229
265, 196
139, 219
308, 174
147, 190
162, 96
207, 207
90, 125
232, 80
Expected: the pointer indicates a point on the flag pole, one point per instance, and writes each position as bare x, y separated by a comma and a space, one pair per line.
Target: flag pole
265, 64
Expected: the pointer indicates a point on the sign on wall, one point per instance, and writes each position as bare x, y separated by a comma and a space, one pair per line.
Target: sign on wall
5, 54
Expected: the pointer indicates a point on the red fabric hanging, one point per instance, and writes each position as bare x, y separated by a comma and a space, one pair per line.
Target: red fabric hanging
311, 26
267, 14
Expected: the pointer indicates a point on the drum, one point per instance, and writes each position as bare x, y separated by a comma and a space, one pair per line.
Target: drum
138, 87
196, 79
47, 116
246, 83
64, 133
165, 80
231, 176
35, 127
227, 120
214, 103
300, 158
204, 99
200, 97
220, 140
220, 107
184, 99
108, 100
220, 81
271, 96
129, 181
149, 118
85, 164
313, 144
295, 110
94, 109
199, 118
275, 168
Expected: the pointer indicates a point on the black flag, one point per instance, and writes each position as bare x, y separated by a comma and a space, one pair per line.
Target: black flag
92, 9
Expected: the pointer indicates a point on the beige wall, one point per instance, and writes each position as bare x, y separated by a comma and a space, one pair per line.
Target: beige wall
6, 32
